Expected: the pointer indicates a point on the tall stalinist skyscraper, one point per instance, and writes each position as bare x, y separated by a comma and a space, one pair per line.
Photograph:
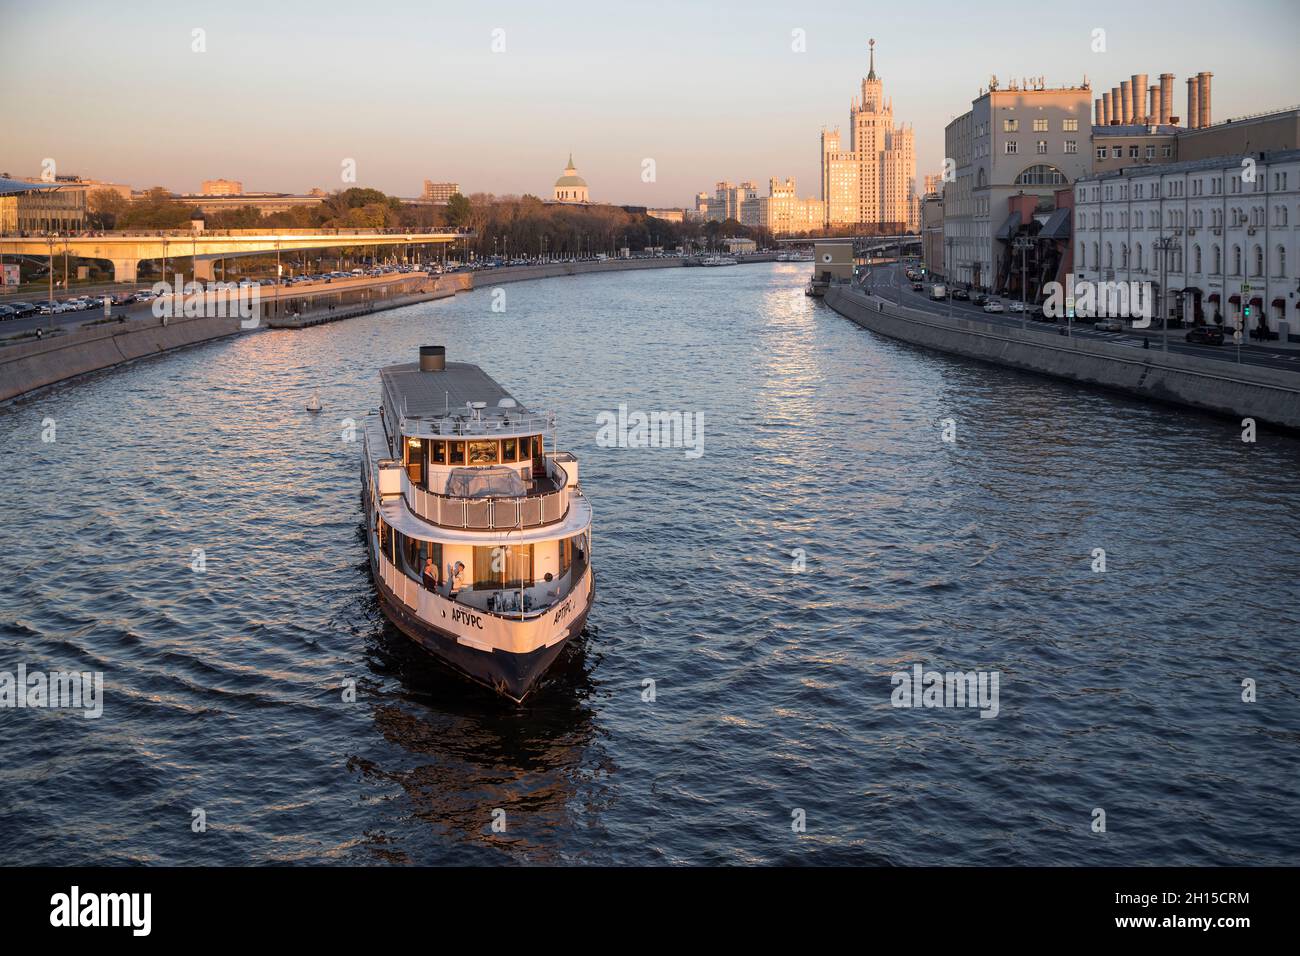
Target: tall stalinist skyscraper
873, 182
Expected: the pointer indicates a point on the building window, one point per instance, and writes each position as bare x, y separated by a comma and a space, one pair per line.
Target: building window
1071, 146
1040, 126
1259, 261
1070, 125
1041, 175
1117, 152
1196, 258
1011, 147
1011, 126
1101, 152
1042, 147
1236, 260
1166, 152
1281, 261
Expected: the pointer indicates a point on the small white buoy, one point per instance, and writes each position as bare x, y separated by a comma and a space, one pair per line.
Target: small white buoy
313, 405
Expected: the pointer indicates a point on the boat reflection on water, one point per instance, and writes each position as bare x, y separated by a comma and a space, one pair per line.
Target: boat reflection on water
460, 754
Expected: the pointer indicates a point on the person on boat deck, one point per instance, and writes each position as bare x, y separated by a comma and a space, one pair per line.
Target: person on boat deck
430, 574
455, 578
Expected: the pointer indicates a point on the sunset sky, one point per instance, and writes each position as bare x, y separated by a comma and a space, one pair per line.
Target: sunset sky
286, 91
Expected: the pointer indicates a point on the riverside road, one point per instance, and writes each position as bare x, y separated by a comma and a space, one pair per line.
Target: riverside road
890, 282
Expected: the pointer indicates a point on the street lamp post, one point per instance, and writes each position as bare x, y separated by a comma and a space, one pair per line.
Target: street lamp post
1165, 245
51, 278
1023, 243
947, 274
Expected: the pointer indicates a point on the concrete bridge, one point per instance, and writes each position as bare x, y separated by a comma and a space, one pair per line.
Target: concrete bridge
126, 250
866, 245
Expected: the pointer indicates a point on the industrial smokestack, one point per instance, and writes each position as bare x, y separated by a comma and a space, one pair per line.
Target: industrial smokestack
1126, 101
1166, 97
1099, 112
1153, 104
1193, 103
1139, 86
1203, 97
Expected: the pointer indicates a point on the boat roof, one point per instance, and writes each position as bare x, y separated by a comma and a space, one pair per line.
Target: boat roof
418, 394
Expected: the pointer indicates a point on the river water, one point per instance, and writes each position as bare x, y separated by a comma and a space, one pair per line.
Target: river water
827, 538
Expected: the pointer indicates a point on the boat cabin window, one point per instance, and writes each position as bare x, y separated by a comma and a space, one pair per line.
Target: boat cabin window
455, 453
438, 452
414, 460
509, 450
566, 556
483, 452
505, 566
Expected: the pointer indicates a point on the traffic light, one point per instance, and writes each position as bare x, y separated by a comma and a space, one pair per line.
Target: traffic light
1245, 313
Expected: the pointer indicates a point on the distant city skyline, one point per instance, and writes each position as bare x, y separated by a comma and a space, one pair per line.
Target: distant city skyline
281, 99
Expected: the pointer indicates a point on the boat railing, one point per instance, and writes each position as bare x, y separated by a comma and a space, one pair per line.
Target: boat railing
450, 426
488, 514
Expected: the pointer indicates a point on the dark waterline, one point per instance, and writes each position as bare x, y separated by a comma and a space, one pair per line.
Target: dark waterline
1119, 691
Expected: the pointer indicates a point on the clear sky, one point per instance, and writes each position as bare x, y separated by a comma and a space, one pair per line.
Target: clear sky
287, 89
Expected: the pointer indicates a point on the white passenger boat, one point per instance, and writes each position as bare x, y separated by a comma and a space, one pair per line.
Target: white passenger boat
718, 261
478, 533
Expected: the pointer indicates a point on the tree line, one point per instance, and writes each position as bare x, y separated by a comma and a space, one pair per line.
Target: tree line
505, 225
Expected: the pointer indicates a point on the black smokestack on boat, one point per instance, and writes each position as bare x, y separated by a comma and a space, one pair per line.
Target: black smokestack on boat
433, 358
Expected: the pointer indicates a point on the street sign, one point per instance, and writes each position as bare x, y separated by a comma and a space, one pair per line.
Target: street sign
10, 274
1236, 337
1245, 287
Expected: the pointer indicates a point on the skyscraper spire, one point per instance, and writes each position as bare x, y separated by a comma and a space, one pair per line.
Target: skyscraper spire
871, 73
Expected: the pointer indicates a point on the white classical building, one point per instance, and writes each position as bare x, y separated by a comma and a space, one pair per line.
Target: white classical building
1216, 235
571, 187
1023, 139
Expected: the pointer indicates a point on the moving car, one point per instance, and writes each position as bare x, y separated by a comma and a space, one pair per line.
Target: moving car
8, 312
1205, 335
994, 305
1016, 306
938, 291
980, 298
23, 309
961, 295
916, 287
1109, 325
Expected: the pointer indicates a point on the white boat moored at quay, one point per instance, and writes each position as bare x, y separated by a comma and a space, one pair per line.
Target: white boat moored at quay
478, 533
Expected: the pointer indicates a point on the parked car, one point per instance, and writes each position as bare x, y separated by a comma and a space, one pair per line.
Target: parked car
994, 305
1109, 325
1205, 335
961, 295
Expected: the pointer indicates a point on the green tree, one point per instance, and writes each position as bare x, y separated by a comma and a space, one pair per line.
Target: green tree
459, 211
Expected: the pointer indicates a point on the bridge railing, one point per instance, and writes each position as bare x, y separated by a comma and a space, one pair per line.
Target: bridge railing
228, 233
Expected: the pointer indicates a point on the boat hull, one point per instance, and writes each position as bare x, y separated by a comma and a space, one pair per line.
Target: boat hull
512, 675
